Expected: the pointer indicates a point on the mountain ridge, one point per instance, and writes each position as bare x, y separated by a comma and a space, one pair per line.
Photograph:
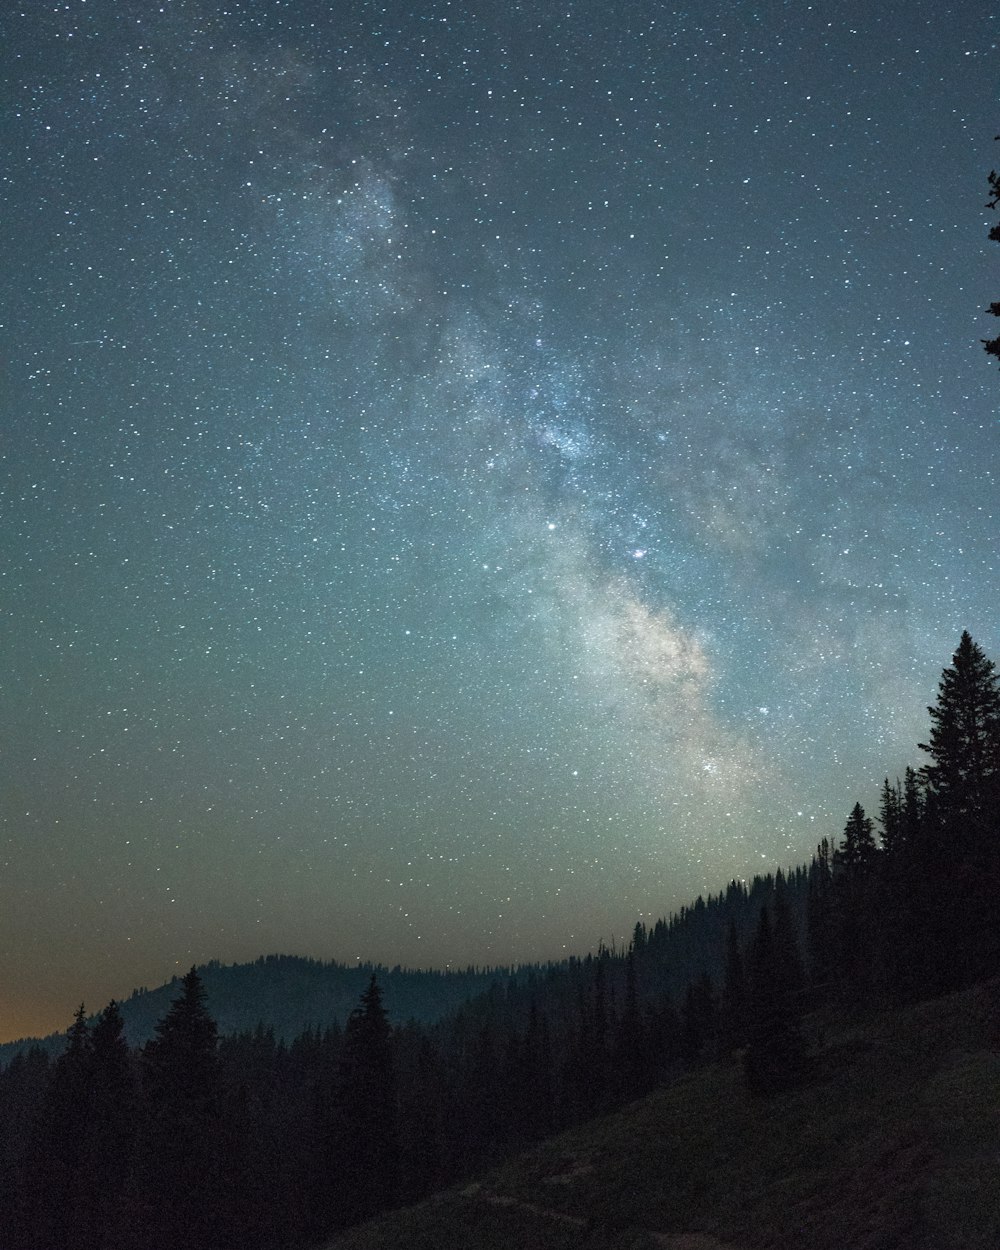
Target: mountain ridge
291, 994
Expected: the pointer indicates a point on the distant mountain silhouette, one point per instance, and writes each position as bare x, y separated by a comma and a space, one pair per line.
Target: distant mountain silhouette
290, 994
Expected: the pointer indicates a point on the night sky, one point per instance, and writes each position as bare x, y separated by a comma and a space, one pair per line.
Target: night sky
472, 475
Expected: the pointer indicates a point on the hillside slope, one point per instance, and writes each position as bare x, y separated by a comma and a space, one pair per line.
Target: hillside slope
893, 1145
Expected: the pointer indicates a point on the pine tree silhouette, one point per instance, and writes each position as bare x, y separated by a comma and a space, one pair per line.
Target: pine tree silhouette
178, 1163
52, 1198
959, 846
111, 1129
369, 1165
774, 1058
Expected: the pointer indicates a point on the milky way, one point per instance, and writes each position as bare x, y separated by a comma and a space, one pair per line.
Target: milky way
471, 476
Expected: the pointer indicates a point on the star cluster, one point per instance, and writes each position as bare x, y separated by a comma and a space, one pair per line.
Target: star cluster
471, 476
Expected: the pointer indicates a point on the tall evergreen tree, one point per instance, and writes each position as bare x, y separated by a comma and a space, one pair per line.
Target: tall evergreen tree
699, 1019
53, 1197
630, 1059
820, 935
423, 1114
178, 1149
23, 1085
912, 807
111, 1128
856, 855
895, 899
916, 885
180, 1064
595, 1071
890, 817
789, 969
733, 1009
774, 1058
369, 1165
964, 743
960, 846
855, 894
257, 1170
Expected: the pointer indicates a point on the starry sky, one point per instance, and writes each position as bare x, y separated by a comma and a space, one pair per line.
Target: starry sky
471, 475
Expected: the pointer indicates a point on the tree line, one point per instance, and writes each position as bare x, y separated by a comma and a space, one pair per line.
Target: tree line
245, 1140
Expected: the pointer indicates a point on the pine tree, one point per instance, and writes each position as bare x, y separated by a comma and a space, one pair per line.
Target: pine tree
855, 857
774, 1058
422, 1114
960, 842
596, 1061
178, 1148
964, 745
630, 1045
23, 1084
912, 809
890, 817
789, 969
698, 1019
112, 1127
820, 921
733, 1014
316, 1058
855, 896
254, 1196
369, 1165
895, 900
52, 1193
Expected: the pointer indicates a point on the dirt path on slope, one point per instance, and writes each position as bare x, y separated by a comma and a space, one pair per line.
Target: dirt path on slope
477, 1192
691, 1241
669, 1241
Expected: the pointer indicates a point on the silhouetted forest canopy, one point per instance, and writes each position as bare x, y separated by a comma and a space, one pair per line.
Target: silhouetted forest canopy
252, 1139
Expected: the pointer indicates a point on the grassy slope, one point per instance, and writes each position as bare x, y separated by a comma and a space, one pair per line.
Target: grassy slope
894, 1144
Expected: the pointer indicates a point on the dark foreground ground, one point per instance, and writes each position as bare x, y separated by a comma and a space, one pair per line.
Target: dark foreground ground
893, 1145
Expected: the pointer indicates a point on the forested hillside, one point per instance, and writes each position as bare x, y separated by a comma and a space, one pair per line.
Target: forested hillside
250, 1140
